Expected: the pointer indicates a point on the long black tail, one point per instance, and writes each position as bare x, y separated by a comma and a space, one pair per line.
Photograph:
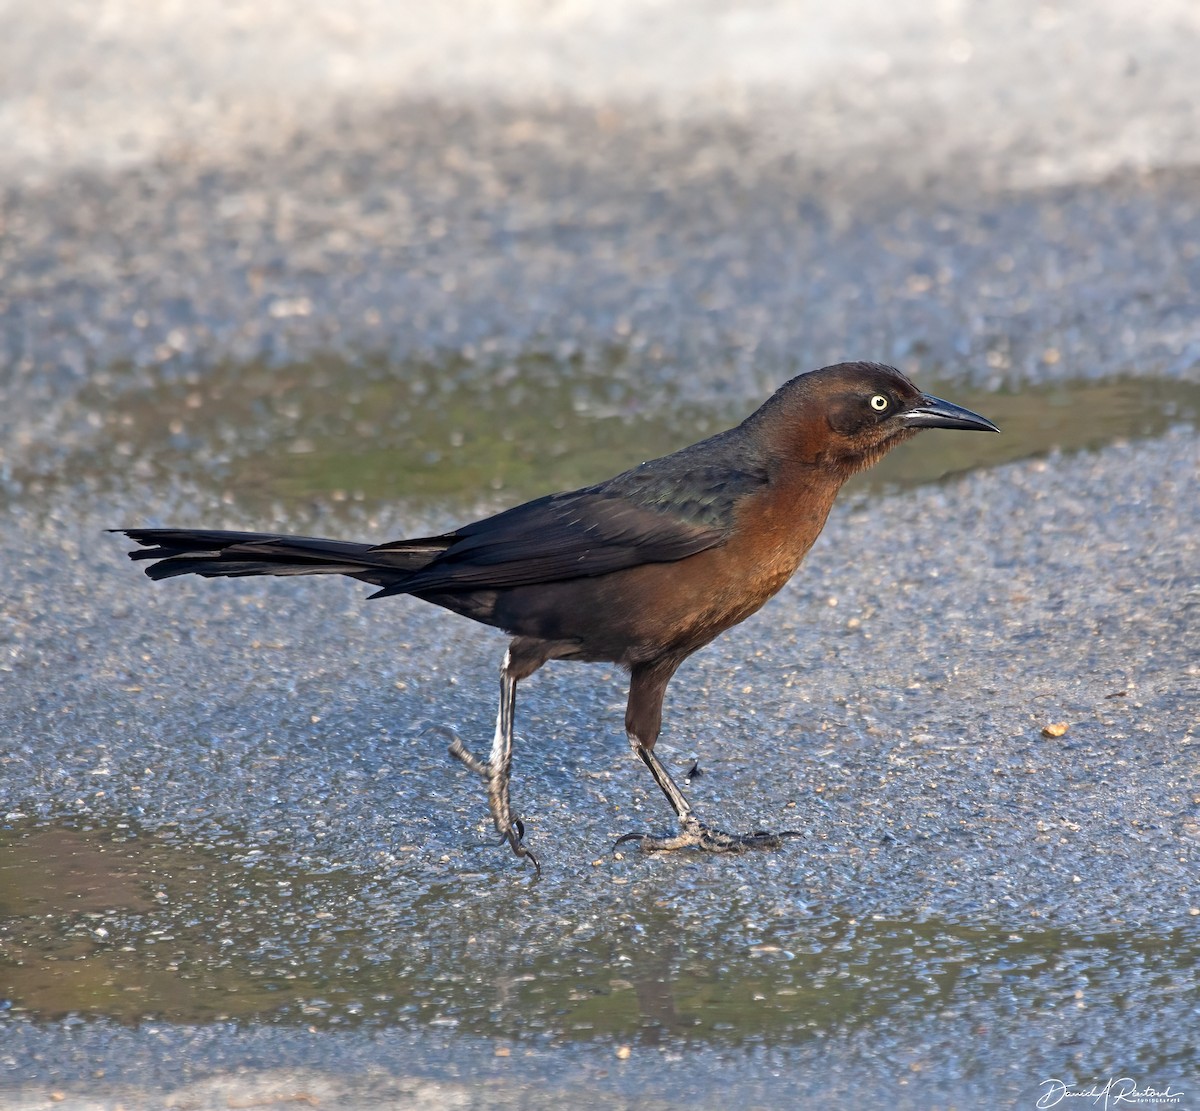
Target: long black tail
214, 554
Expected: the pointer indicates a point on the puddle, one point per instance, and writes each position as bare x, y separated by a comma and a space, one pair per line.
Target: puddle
450, 432
132, 926
455, 432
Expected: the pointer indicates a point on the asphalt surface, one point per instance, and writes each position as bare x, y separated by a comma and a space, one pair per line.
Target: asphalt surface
658, 216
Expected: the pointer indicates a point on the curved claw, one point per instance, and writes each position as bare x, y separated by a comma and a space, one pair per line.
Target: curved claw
519, 826
628, 837
513, 837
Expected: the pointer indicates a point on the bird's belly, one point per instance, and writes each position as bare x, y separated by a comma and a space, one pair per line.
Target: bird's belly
643, 613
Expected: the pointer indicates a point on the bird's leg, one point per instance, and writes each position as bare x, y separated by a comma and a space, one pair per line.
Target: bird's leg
500, 767
668, 786
643, 719
497, 770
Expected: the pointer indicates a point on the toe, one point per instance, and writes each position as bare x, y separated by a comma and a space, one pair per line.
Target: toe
627, 837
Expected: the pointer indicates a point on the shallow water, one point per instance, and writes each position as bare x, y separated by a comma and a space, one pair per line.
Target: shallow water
461, 432
107, 921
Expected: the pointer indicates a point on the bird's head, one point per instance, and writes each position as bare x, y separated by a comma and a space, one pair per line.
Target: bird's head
848, 416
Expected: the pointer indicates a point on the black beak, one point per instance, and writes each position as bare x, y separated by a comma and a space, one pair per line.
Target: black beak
933, 412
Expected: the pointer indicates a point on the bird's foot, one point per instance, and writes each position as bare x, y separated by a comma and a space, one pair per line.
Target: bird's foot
461, 753
518, 827
694, 834
515, 836
510, 827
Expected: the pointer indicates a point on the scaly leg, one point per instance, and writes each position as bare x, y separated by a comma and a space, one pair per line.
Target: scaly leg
497, 771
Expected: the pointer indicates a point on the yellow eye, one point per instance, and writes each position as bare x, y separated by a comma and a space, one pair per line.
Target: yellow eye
879, 403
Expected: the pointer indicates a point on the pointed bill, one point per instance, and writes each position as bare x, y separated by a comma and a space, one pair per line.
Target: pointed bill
933, 412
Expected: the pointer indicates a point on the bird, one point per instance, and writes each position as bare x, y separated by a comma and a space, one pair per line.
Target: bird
640, 570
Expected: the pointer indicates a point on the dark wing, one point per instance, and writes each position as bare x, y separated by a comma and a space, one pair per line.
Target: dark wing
652, 514
663, 511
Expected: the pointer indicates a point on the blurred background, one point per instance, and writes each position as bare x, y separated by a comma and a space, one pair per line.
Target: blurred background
371, 268
636, 217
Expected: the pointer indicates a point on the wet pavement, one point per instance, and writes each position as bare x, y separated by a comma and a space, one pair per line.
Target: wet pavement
237, 867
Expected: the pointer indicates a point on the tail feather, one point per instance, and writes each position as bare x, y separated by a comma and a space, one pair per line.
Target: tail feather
214, 554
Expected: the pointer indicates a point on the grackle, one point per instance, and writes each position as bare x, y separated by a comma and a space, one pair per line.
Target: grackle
640, 570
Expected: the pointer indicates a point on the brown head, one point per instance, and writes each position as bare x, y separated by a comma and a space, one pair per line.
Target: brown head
848, 416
